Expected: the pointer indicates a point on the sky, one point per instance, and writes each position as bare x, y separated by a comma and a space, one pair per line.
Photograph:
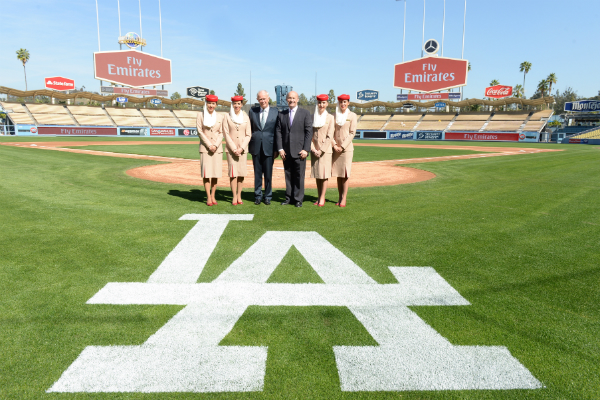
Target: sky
346, 46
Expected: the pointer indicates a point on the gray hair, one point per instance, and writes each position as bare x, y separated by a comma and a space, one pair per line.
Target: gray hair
260, 91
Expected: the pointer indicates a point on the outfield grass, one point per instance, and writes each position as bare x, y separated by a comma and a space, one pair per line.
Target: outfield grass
517, 236
360, 153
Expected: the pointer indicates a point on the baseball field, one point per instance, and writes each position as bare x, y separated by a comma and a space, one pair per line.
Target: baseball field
479, 280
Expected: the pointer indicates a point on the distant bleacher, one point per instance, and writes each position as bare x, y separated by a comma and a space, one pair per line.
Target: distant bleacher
68, 115
590, 133
403, 121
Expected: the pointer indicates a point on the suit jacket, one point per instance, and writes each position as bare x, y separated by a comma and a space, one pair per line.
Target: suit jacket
264, 136
210, 136
296, 137
323, 136
343, 135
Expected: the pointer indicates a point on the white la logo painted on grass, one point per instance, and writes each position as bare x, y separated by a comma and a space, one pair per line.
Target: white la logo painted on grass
184, 355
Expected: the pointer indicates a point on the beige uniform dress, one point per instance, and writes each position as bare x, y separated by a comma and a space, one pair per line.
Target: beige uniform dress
342, 136
320, 167
211, 164
237, 136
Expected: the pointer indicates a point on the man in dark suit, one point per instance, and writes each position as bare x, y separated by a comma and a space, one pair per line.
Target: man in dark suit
263, 120
294, 134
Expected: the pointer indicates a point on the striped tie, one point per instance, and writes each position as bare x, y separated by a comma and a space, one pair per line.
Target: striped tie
262, 120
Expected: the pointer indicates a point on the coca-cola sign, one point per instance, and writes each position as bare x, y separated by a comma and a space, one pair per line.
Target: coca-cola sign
431, 74
498, 91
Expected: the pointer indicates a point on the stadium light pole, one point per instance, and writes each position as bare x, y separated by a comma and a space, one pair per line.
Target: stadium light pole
462, 56
423, 39
141, 35
119, 13
98, 25
443, 27
160, 27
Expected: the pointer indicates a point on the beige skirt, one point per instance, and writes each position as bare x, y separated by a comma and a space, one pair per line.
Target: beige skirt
342, 164
320, 168
236, 166
211, 165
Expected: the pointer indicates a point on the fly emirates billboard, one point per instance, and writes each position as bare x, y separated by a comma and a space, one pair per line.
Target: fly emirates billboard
132, 68
431, 74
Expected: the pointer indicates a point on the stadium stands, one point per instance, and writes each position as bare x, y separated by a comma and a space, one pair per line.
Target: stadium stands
127, 117
503, 126
469, 122
90, 116
187, 117
592, 134
508, 116
373, 122
534, 126
404, 121
46, 114
539, 115
160, 118
17, 113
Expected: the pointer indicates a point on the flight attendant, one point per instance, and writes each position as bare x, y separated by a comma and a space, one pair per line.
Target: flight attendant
320, 147
343, 149
237, 136
210, 130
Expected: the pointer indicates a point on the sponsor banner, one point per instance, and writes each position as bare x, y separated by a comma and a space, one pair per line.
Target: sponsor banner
484, 136
428, 96
133, 91
367, 95
156, 101
374, 135
121, 100
132, 68
59, 83
401, 135
187, 132
198, 92
77, 130
26, 130
162, 132
582, 106
132, 131
578, 141
498, 91
440, 104
431, 74
429, 135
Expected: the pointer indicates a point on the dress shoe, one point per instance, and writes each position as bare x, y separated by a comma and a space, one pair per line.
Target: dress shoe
337, 204
321, 205
257, 202
267, 202
285, 203
298, 204
214, 203
316, 203
240, 202
209, 204
342, 205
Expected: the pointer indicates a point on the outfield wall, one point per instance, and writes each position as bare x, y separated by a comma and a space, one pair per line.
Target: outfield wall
32, 130
530, 137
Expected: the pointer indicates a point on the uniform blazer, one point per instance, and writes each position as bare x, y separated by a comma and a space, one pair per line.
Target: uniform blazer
210, 136
296, 137
264, 136
323, 136
237, 136
343, 135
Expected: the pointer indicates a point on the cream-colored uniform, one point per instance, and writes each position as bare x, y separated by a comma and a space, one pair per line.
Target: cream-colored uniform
237, 136
320, 167
342, 136
211, 164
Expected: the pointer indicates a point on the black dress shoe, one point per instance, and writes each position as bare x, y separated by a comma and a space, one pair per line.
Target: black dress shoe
268, 202
257, 202
285, 203
298, 204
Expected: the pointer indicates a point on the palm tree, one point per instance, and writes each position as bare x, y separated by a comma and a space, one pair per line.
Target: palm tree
525, 67
518, 91
542, 86
494, 82
551, 79
23, 56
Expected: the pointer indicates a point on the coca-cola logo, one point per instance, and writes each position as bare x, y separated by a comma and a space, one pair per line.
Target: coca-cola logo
498, 91
186, 132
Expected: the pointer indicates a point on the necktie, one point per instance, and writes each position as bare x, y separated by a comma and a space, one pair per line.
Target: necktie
262, 120
291, 117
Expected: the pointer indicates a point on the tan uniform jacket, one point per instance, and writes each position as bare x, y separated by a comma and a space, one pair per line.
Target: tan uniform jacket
343, 135
237, 136
212, 136
323, 136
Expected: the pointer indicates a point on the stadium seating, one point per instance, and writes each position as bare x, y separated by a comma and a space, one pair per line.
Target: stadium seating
372, 121
403, 121
534, 126
126, 117
46, 114
594, 134
469, 121
508, 126
187, 117
538, 115
160, 118
17, 113
508, 116
432, 125
86, 116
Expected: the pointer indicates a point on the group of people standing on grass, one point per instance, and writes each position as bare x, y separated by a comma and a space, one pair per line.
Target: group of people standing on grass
266, 133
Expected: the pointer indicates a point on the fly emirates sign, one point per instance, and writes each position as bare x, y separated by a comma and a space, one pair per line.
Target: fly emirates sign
431, 74
132, 68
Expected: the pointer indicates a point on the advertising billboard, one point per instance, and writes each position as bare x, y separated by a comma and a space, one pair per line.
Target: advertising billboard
132, 68
429, 135
428, 96
162, 132
132, 131
401, 135
77, 130
133, 91
26, 130
187, 132
582, 106
431, 74
484, 136
59, 83
198, 92
367, 95
498, 91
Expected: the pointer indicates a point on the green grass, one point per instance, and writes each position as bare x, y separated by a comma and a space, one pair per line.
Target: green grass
517, 236
360, 153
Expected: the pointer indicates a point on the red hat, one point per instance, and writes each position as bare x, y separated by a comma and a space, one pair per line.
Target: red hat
237, 98
322, 97
212, 98
343, 97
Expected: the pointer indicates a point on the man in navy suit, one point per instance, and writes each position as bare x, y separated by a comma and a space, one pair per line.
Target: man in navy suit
263, 120
293, 134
